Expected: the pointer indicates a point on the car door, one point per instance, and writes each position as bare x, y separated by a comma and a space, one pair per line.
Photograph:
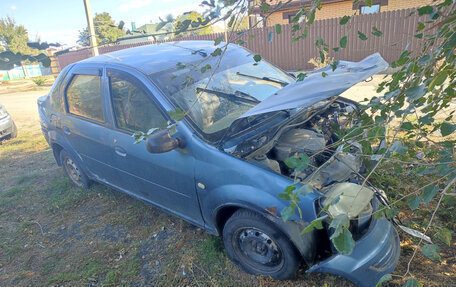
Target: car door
84, 123
165, 179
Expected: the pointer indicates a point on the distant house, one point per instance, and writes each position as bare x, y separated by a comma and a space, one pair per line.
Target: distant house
329, 9
146, 33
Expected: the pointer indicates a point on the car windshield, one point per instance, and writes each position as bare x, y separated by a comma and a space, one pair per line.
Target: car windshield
212, 104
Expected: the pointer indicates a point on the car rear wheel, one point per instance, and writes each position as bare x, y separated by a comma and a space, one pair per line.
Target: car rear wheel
13, 131
73, 170
258, 246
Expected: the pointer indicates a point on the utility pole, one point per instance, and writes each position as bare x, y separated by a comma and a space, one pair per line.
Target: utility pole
93, 39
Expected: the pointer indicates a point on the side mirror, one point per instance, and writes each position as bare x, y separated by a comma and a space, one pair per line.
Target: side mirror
162, 142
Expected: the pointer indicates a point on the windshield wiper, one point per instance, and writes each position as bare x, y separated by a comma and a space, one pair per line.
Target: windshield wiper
237, 94
268, 79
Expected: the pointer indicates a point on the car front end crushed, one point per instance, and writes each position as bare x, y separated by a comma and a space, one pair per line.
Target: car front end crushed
375, 254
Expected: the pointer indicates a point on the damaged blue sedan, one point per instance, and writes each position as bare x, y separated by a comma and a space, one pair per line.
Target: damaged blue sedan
223, 166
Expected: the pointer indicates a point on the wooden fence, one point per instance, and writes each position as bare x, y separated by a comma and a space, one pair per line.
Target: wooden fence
398, 28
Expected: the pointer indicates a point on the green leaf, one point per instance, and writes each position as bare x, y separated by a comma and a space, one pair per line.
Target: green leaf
344, 20
407, 126
368, 2
412, 282
420, 26
299, 163
218, 40
445, 236
343, 42
180, 66
278, 28
438, 80
217, 52
399, 148
334, 65
265, 7
315, 224
305, 189
385, 278
414, 201
362, 36
391, 212
231, 22
429, 192
311, 18
376, 32
322, 56
447, 129
344, 242
176, 115
287, 212
416, 92
431, 251
205, 68
257, 58
339, 223
425, 10
301, 77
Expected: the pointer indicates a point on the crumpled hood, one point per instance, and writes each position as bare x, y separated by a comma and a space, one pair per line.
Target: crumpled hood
315, 87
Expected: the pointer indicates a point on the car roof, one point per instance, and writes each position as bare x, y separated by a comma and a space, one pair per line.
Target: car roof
154, 58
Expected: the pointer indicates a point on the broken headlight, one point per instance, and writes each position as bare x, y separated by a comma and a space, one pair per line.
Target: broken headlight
350, 199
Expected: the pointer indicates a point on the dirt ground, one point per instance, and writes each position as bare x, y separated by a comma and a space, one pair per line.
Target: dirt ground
53, 234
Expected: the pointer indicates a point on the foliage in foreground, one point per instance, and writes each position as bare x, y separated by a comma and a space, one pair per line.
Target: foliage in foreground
412, 114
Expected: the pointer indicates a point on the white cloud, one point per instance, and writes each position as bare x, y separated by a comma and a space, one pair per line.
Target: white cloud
13, 7
133, 4
67, 37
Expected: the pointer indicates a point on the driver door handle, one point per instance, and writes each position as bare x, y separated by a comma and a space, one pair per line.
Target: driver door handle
120, 151
66, 130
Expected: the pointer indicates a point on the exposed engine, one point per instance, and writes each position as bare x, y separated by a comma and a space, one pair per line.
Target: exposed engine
315, 136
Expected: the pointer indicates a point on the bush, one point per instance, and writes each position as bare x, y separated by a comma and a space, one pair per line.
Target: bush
39, 81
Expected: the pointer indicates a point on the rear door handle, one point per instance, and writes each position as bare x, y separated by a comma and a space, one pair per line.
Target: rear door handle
120, 151
66, 130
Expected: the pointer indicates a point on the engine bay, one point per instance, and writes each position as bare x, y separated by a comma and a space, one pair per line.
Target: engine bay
314, 133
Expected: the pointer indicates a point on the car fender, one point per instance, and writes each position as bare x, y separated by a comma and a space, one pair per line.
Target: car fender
55, 138
270, 206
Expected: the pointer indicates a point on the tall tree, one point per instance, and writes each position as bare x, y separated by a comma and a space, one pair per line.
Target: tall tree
106, 31
13, 37
187, 21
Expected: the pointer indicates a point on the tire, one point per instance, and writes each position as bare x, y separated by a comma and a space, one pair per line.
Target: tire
73, 170
13, 131
258, 246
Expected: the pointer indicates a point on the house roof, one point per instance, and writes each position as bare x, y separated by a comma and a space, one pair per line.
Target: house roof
158, 57
294, 5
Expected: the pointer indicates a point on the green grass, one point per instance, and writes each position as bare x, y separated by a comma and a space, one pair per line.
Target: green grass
91, 268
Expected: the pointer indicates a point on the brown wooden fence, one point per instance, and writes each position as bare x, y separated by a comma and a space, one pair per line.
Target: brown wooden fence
398, 28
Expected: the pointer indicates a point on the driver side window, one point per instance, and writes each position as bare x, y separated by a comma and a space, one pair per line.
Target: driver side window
134, 110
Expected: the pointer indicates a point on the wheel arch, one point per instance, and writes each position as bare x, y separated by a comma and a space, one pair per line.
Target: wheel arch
56, 149
304, 244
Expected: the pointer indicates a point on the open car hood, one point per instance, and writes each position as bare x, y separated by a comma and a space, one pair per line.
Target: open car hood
315, 87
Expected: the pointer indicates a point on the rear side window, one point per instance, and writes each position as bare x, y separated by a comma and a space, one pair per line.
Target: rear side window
134, 110
84, 97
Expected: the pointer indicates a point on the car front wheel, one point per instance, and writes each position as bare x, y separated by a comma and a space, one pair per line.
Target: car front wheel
258, 246
73, 170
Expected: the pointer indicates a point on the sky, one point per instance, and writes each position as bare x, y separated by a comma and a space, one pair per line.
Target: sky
61, 20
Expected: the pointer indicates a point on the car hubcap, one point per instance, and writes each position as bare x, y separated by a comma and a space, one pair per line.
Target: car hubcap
73, 171
259, 247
